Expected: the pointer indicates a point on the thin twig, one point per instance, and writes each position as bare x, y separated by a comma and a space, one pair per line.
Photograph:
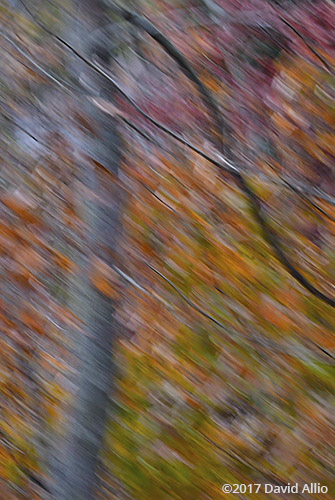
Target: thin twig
274, 346
189, 302
38, 141
306, 198
62, 83
315, 52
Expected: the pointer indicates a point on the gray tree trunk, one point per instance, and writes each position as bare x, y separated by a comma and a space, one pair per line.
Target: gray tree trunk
100, 208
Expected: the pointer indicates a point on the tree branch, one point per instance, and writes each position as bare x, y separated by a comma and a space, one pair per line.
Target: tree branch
222, 163
258, 211
315, 52
62, 83
177, 56
300, 192
189, 302
270, 346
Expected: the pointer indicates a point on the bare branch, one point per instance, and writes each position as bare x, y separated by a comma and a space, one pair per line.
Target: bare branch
309, 46
189, 302
62, 83
222, 163
177, 56
38, 141
303, 195
258, 211
273, 241
264, 343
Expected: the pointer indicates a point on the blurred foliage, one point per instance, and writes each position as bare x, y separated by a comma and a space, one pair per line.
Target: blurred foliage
197, 404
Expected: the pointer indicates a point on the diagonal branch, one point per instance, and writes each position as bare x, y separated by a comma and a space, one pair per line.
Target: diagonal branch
258, 210
179, 58
189, 302
64, 84
222, 163
33, 137
301, 193
272, 346
59, 81
175, 54
308, 45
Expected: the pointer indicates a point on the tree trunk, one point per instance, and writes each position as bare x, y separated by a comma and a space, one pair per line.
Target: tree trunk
99, 207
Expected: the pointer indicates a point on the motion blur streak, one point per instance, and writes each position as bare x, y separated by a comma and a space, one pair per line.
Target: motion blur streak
167, 264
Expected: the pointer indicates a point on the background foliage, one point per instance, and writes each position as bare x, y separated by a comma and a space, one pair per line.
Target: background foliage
225, 362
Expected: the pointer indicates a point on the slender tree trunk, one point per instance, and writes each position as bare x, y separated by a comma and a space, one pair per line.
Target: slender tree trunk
100, 208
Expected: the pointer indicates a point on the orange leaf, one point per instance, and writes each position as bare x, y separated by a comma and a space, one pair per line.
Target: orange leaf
105, 279
21, 204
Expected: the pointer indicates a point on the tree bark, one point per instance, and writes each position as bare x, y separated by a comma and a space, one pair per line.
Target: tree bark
100, 209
